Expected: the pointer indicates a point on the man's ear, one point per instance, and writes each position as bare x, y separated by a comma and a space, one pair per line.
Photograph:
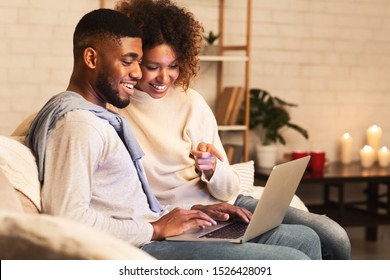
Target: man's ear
90, 57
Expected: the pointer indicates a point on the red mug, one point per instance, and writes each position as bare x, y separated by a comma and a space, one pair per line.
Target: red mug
317, 161
298, 154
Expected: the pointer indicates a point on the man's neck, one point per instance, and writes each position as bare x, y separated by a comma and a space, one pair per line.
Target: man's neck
88, 93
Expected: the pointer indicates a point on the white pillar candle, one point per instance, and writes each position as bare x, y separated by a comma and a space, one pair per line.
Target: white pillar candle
346, 148
374, 138
384, 157
367, 156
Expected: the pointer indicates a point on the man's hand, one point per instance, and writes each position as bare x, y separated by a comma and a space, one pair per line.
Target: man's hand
206, 158
224, 211
179, 220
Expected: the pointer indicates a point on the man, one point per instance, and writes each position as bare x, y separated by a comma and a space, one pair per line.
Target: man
90, 163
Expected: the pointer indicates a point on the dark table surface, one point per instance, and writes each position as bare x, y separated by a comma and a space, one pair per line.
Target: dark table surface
336, 172
370, 212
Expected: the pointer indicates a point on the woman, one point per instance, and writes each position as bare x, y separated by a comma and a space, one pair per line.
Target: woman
185, 161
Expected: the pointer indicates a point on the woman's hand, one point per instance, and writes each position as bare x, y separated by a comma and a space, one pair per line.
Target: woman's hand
224, 211
206, 157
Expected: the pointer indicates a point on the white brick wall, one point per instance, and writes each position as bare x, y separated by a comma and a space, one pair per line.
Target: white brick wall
331, 57
35, 53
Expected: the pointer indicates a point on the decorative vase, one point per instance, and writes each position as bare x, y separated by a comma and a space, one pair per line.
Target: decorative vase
210, 50
266, 156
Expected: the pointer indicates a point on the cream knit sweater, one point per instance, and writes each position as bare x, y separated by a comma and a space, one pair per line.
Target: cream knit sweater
167, 129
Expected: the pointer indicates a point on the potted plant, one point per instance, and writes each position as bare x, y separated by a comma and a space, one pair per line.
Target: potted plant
268, 115
209, 48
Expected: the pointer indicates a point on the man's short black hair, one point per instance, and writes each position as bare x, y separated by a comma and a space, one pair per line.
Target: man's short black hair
102, 24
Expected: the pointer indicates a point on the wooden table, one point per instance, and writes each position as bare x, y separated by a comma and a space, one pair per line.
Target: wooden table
370, 212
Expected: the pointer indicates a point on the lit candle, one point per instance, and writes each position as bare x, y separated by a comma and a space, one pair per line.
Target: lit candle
367, 156
374, 137
346, 148
384, 157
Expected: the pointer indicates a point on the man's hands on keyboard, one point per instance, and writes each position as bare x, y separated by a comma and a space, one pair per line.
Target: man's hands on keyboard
230, 231
224, 211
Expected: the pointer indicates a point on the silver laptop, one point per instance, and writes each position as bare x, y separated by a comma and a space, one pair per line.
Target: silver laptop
269, 213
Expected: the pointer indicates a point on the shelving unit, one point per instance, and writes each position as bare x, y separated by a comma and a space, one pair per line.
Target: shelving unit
231, 127
223, 58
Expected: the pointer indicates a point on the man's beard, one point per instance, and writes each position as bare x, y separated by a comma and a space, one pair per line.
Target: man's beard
111, 95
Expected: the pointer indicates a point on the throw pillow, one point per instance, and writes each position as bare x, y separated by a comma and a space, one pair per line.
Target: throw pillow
19, 166
40, 237
246, 172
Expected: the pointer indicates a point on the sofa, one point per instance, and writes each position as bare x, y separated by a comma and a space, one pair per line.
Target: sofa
27, 233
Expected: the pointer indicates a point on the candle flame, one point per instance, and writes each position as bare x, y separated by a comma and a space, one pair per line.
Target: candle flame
367, 148
375, 128
346, 135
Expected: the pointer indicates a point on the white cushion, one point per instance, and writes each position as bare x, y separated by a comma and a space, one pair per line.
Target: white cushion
40, 236
19, 166
246, 171
9, 199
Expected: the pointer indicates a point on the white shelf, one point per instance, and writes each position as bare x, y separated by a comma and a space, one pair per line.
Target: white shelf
241, 55
231, 127
222, 58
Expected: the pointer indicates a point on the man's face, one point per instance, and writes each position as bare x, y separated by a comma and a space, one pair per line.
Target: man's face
118, 71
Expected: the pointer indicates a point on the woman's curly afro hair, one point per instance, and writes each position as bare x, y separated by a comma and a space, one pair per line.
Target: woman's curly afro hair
163, 22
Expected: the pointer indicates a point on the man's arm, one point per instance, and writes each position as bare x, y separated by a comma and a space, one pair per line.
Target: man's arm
88, 180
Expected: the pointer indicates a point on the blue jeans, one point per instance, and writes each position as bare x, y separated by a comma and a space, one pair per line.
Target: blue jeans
286, 242
335, 243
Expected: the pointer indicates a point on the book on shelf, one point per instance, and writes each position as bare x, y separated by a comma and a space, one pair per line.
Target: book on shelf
228, 105
240, 94
233, 152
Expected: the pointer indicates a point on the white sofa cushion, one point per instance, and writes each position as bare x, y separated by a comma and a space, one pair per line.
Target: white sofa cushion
19, 166
9, 199
40, 236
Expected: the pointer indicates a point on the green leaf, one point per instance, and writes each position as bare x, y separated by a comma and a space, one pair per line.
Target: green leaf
211, 37
271, 114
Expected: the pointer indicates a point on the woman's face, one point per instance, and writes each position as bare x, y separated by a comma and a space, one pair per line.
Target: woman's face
160, 70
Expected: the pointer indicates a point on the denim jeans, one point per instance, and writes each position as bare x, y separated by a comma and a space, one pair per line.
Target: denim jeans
285, 242
335, 243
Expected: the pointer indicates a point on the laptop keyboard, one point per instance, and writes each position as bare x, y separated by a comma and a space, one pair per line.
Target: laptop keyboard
230, 231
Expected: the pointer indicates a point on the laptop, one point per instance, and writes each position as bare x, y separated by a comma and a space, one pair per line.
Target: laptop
269, 213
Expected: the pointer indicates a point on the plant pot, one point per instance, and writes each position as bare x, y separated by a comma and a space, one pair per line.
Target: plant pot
266, 156
210, 50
